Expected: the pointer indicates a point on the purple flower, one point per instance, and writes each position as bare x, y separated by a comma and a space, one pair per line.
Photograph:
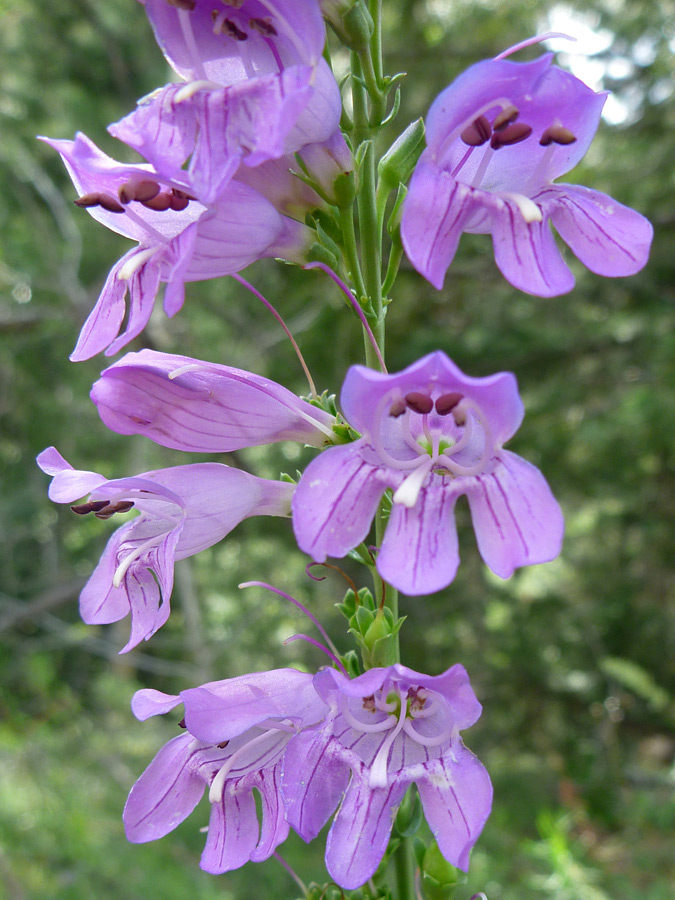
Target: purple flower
197, 406
257, 87
179, 238
237, 731
430, 434
497, 138
387, 729
183, 510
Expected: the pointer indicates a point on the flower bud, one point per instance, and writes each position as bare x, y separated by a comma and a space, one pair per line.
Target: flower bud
351, 21
397, 164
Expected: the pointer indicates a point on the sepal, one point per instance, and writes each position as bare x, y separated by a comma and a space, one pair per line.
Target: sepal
440, 879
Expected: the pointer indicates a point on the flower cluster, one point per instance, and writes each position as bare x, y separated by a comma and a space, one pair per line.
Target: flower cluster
308, 745
243, 158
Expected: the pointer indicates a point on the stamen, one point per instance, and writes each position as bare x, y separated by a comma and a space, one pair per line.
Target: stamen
218, 19
190, 42
235, 4
96, 198
218, 783
419, 402
263, 26
160, 203
447, 402
366, 727
233, 30
407, 493
178, 201
526, 207
477, 133
432, 741
385, 456
378, 769
193, 87
131, 558
108, 511
135, 262
397, 408
137, 190
187, 5
557, 134
93, 506
505, 117
512, 134
479, 175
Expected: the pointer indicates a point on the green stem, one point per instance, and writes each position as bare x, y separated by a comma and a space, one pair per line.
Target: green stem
370, 235
351, 252
405, 871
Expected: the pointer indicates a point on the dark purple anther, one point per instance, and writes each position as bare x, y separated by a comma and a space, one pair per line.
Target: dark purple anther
93, 506
505, 117
447, 402
108, 511
263, 26
95, 198
233, 30
178, 203
397, 408
158, 203
556, 134
418, 402
512, 134
477, 133
137, 190
109, 203
187, 5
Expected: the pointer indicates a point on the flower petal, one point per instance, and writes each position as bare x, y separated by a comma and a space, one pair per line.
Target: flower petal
419, 553
233, 831
313, 781
335, 502
526, 253
515, 516
165, 794
456, 795
148, 702
68, 484
225, 709
360, 833
435, 212
609, 238
103, 322
273, 826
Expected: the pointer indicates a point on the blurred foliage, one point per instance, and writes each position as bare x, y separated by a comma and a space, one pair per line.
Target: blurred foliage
574, 661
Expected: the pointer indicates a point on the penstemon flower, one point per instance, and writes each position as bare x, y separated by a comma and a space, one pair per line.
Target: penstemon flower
236, 734
256, 86
180, 239
385, 730
202, 407
497, 138
430, 434
183, 510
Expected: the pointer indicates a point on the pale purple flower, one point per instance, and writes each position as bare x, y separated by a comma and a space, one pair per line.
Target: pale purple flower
180, 239
191, 405
430, 434
497, 138
257, 87
385, 730
236, 734
183, 510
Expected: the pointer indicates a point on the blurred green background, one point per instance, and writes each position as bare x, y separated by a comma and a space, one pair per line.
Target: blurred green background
573, 661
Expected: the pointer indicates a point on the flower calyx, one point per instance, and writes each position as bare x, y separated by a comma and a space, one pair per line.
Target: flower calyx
375, 628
